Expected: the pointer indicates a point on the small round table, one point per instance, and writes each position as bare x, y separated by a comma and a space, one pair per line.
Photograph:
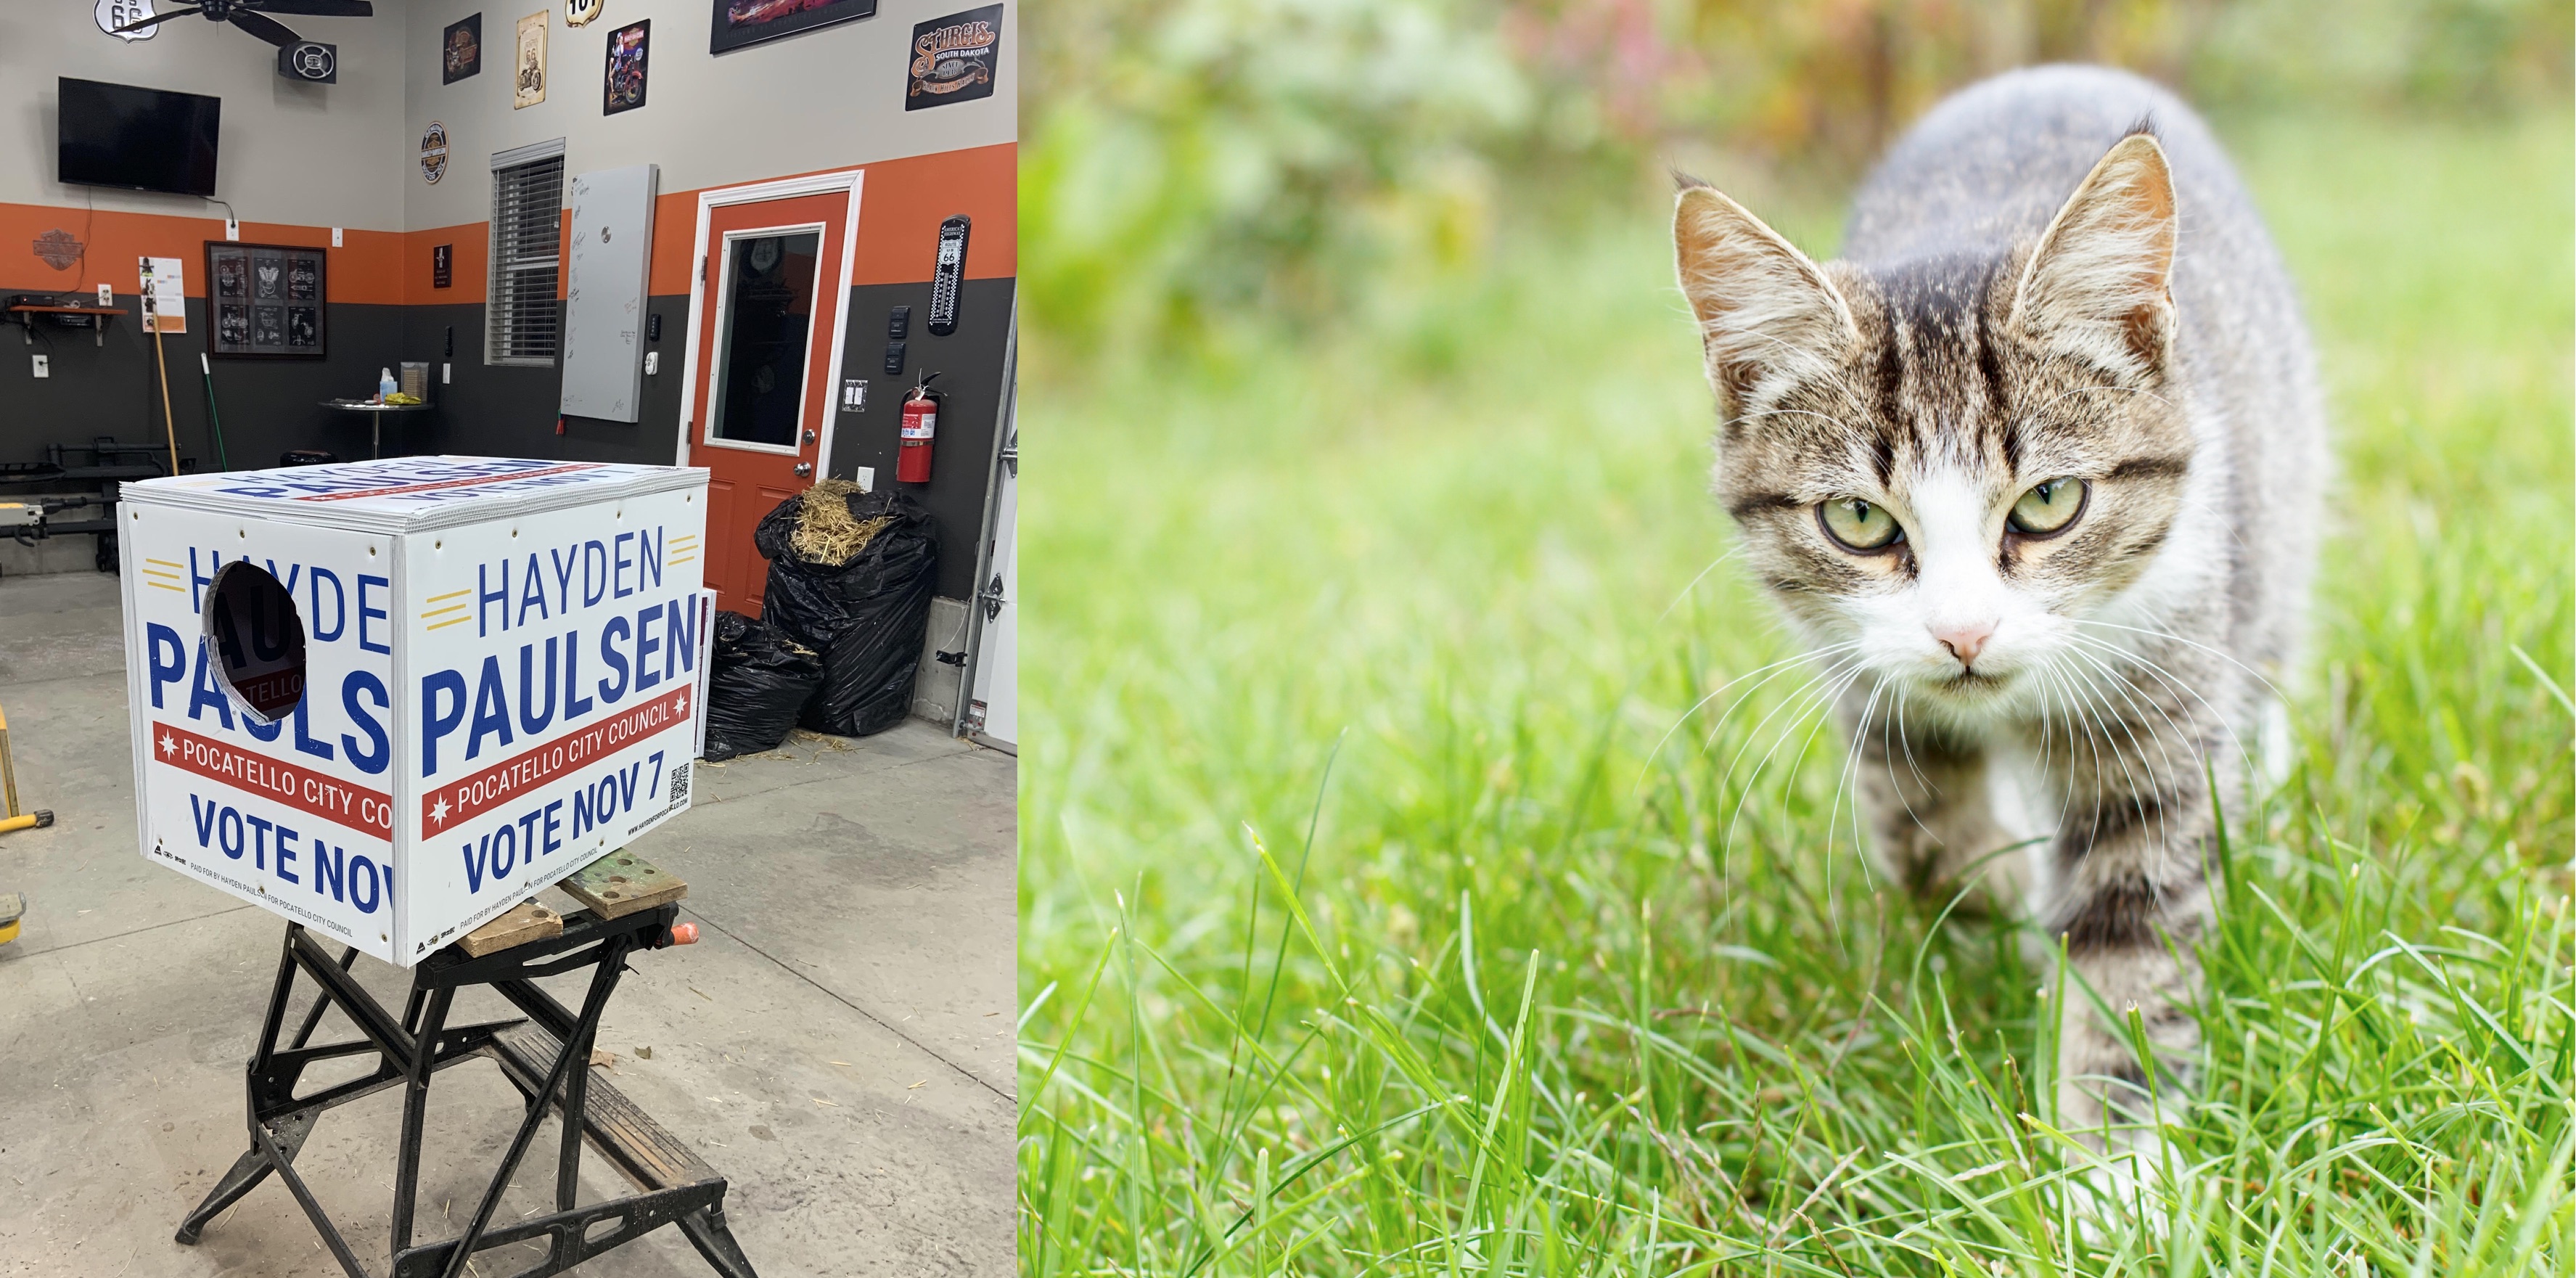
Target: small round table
375, 418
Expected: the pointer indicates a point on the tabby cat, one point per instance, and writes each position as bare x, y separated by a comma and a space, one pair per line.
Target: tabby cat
2035, 471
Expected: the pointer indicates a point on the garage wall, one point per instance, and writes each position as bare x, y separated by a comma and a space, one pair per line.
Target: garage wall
298, 160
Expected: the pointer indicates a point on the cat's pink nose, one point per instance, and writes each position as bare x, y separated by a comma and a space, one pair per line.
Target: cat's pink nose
1965, 641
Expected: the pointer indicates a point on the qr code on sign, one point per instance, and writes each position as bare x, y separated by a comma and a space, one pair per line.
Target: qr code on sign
679, 785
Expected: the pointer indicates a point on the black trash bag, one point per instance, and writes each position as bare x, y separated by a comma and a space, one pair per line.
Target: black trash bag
850, 576
758, 682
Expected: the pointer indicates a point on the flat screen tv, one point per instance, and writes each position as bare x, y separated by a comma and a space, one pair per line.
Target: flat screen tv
137, 139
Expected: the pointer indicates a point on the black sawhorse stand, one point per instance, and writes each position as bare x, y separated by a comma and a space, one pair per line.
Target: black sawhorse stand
546, 1056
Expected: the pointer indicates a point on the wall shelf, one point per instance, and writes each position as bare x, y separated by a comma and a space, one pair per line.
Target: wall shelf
99, 316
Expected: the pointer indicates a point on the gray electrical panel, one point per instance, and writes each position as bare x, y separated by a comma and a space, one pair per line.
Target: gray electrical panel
612, 256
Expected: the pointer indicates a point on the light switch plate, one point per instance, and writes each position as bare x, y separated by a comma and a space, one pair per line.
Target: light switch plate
854, 394
44, 366
867, 477
446, 374
335, 237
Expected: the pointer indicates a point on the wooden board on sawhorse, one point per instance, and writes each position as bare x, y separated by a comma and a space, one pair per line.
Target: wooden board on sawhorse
621, 883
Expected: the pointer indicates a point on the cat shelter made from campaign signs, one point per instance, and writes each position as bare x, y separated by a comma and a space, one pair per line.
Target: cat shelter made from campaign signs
392, 699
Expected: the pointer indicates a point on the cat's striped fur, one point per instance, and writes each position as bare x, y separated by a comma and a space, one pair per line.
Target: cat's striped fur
2056, 274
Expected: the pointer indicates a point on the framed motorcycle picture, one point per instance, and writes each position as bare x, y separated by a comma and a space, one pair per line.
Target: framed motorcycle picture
623, 86
267, 301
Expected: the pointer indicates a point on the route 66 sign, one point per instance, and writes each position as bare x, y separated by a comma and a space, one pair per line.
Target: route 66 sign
580, 13
116, 13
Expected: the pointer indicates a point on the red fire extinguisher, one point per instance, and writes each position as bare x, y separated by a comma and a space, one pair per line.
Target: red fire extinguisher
920, 423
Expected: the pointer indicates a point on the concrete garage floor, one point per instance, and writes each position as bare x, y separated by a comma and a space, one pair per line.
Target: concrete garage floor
839, 1045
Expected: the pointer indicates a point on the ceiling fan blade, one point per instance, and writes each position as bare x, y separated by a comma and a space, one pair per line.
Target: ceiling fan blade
268, 29
154, 20
316, 8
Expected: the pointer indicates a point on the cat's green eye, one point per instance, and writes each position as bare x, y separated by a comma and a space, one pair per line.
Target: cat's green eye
1859, 524
2048, 508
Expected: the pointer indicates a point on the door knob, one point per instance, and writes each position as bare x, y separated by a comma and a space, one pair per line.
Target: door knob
804, 469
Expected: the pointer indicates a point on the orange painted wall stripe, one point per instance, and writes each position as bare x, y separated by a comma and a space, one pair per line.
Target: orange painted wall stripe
365, 270
901, 203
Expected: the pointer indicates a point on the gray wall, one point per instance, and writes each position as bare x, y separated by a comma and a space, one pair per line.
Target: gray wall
311, 154
824, 99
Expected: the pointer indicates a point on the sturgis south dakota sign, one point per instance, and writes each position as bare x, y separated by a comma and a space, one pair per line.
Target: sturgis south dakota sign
954, 58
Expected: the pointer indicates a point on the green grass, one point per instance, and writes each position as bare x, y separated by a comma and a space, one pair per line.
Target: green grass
1366, 929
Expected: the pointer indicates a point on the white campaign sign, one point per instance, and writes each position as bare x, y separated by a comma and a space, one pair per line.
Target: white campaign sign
497, 682
294, 815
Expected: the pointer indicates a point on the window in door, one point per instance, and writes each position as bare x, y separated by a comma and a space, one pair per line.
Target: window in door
768, 326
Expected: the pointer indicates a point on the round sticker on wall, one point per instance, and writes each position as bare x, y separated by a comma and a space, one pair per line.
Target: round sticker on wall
433, 152
580, 13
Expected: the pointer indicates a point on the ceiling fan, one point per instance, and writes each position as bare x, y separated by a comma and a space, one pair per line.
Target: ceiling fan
252, 15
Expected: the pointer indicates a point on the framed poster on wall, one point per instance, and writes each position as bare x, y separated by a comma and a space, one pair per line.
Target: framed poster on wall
623, 86
742, 22
267, 301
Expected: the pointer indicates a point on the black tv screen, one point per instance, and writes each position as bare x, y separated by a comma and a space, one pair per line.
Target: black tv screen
138, 139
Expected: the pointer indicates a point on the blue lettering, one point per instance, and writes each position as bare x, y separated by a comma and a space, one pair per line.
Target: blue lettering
680, 637
228, 833
286, 853
259, 840
624, 561
367, 903
330, 866
491, 709
374, 760
536, 723
616, 660
532, 590
594, 573
484, 594
646, 644
339, 605
158, 638
204, 812
205, 693
365, 613
433, 722
304, 741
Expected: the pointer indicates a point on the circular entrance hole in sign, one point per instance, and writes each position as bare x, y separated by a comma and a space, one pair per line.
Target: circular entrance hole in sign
255, 641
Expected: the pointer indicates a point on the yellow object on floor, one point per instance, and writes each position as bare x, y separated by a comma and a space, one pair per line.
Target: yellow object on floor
12, 908
37, 819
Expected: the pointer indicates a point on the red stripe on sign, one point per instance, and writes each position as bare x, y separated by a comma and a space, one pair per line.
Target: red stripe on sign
459, 801
468, 482
305, 790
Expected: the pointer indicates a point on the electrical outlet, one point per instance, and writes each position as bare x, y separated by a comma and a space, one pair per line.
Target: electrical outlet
446, 374
107, 295
652, 363
335, 237
44, 366
867, 477
232, 227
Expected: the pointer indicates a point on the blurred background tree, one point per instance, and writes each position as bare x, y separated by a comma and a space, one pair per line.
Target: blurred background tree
1205, 171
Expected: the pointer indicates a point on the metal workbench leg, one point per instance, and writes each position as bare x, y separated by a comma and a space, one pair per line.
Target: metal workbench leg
415, 1108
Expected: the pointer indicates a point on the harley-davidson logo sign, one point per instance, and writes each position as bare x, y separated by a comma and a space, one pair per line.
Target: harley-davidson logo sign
433, 152
57, 249
953, 58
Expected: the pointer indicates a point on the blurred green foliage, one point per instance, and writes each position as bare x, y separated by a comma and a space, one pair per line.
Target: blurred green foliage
1198, 168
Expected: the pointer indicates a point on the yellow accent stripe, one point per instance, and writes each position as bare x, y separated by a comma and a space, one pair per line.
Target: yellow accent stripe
684, 559
155, 572
453, 594
452, 621
163, 585
449, 608
172, 562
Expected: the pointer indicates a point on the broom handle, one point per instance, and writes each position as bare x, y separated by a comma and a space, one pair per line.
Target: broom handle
161, 358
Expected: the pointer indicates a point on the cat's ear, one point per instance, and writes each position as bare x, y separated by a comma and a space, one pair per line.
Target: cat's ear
1766, 313
2099, 284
